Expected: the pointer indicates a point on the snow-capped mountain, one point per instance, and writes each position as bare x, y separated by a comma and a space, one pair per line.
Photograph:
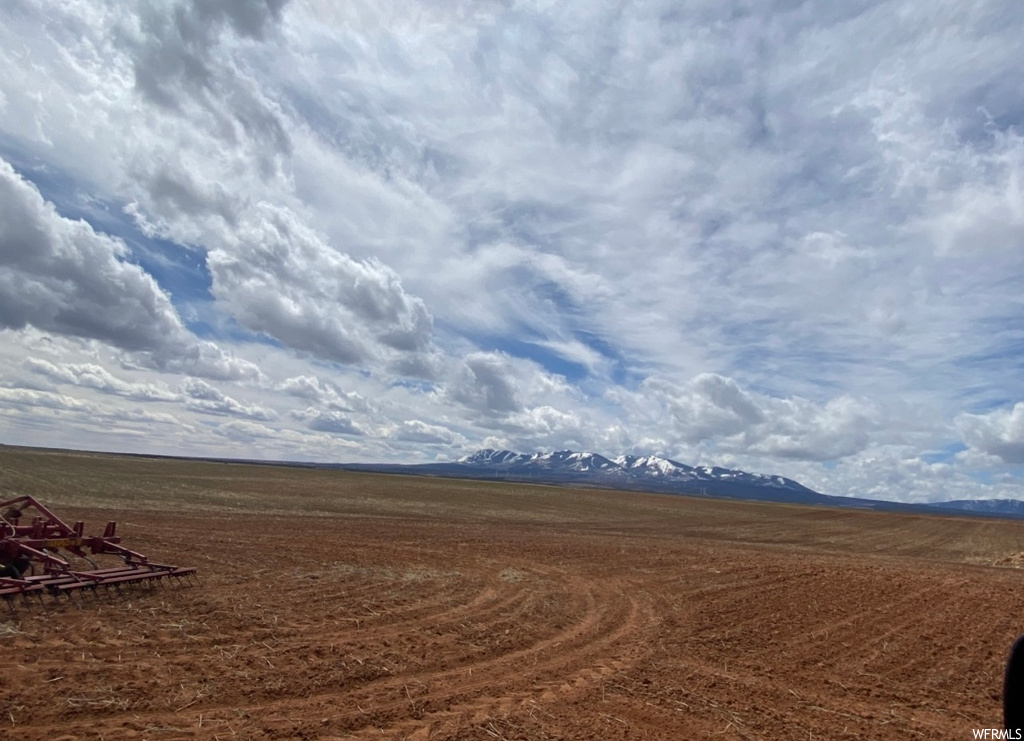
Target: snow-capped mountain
652, 465
628, 470
651, 473
562, 460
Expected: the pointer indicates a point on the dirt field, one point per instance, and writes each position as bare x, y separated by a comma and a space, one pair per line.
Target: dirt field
340, 606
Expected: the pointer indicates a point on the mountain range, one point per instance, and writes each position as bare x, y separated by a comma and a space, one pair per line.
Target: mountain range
652, 473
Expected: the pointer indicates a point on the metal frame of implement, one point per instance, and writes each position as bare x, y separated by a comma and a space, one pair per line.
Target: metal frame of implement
28, 541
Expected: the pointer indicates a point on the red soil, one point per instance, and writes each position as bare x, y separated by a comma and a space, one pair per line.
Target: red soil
399, 627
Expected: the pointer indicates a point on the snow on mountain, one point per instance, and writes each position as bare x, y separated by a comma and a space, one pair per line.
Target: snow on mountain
626, 467
652, 465
569, 460
490, 457
561, 460
651, 473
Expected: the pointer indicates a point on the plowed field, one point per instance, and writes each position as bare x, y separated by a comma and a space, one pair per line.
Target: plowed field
343, 606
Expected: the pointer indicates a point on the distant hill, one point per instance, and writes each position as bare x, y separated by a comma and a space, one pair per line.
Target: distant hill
999, 507
663, 475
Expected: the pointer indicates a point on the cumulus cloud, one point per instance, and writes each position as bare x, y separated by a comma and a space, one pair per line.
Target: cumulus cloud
62, 276
334, 422
713, 406
325, 393
95, 376
281, 278
716, 410
998, 433
245, 432
174, 61
486, 383
202, 397
898, 473
418, 431
19, 397
198, 358
83, 412
545, 427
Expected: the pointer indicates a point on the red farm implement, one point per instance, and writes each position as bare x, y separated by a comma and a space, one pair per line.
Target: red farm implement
31, 537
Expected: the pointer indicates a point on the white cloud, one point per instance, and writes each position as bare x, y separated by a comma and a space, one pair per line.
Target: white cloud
334, 422
175, 57
715, 411
420, 432
894, 474
32, 398
199, 358
207, 399
998, 433
487, 384
95, 376
325, 393
62, 276
282, 279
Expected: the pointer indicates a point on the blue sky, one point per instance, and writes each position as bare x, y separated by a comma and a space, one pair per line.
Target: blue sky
785, 237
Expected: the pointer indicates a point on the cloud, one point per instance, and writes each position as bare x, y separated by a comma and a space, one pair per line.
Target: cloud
325, 393
486, 383
418, 431
198, 358
998, 433
245, 432
31, 398
88, 414
329, 421
250, 439
91, 375
174, 62
713, 407
897, 473
282, 279
202, 397
715, 410
62, 276
545, 427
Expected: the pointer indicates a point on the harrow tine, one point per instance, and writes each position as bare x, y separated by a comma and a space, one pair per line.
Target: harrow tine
29, 541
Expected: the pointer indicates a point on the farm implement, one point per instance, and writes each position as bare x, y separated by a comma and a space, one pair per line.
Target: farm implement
31, 537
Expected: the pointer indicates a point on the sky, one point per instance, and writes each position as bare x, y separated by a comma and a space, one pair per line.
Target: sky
780, 236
